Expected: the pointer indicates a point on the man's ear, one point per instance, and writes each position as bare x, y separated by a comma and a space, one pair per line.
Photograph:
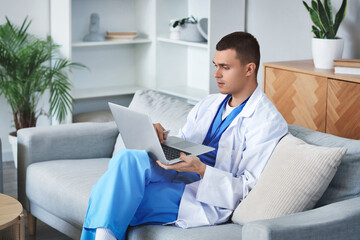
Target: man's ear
250, 69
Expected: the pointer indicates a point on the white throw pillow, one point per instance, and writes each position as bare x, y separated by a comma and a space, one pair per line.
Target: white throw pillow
294, 179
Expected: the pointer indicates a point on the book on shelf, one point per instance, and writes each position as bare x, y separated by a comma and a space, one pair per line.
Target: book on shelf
347, 66
123, 37
347, 63
347, 70
129, 35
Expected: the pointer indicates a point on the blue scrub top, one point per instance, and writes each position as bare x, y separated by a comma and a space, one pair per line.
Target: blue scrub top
217, 128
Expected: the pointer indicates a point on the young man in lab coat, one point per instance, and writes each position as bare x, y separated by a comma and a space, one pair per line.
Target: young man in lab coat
240, 123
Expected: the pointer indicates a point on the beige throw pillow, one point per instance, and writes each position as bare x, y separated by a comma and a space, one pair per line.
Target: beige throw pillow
294, 179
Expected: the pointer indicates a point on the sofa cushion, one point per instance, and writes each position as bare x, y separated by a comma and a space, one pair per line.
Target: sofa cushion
161, 108
68, 186
151, 232
346, 182
293, 180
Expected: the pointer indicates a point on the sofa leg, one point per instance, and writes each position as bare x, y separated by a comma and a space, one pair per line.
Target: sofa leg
31, 224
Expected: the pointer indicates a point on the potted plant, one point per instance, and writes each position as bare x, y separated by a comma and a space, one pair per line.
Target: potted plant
187, 29
28, 67
326, 46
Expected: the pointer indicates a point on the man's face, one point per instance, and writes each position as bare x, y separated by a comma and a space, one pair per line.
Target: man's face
230, 74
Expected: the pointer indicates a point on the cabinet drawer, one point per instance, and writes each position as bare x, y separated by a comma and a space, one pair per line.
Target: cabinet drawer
300, 98
343, 114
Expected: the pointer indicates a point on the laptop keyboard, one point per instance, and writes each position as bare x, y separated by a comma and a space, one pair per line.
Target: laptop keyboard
172, 153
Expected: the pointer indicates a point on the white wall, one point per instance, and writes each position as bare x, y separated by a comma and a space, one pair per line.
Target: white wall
283, 29
16, 11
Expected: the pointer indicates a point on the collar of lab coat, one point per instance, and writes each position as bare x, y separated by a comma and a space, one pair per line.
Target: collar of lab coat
213, 107
249, 107
252, 102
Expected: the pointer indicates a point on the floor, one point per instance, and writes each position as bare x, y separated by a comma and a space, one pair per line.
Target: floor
43, 231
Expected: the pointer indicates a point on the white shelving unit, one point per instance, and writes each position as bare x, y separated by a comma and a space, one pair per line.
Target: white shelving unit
185, 43
104, 92
189, 69
194, 94
112, 42
153, 60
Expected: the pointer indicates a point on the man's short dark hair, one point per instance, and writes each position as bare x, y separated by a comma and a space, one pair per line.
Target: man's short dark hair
246, 46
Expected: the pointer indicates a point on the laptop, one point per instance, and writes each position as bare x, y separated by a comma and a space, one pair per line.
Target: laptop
137, 132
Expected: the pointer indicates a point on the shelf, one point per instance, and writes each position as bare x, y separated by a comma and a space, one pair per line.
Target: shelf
185, 43
185, 92
111, 42
105, 92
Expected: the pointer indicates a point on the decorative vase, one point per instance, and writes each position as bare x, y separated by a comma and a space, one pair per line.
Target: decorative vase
190, 32
94, 35
13, 143
324, 51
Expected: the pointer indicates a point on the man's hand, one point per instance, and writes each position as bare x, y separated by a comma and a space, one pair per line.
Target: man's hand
160, 132
189, 164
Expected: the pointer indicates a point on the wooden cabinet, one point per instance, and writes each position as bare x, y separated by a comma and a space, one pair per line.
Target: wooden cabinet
343, 109
314, 98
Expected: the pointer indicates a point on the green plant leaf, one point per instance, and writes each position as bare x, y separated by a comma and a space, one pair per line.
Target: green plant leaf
340, 16
316, 31
175, 24
26, 73
306, 6
314, 15
193, 19
328, 9
325, 21
314, 5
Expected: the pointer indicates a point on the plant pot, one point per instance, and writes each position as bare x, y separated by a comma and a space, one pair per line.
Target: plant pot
190, 32
324, 52
174, 31
13, 143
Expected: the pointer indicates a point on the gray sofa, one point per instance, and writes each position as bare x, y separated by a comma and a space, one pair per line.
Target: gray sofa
58, 166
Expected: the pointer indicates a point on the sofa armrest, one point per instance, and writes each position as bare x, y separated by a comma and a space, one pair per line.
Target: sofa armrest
339, 220
68, 141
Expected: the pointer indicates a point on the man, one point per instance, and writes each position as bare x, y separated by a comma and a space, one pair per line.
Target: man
240, 123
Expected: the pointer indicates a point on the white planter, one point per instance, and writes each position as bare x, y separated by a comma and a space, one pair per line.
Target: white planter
174, 31
324, 52
190, 32
13, 142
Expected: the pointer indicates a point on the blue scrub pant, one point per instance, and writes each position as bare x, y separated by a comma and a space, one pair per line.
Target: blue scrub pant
134, 191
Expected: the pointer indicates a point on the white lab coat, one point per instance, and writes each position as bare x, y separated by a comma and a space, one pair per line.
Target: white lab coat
244, 149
